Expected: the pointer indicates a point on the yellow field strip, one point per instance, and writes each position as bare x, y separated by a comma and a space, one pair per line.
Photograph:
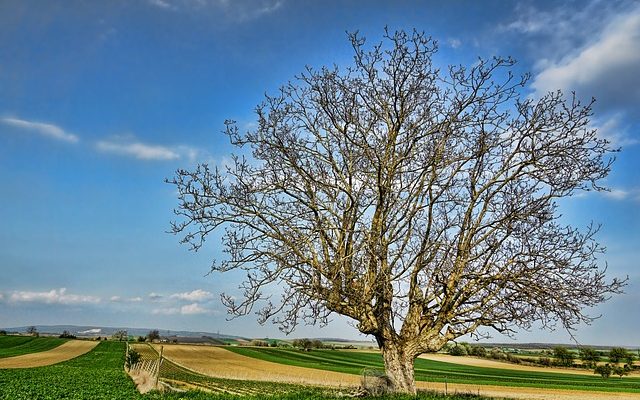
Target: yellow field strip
64, 352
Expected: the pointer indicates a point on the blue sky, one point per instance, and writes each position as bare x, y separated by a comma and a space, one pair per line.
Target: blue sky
100, 101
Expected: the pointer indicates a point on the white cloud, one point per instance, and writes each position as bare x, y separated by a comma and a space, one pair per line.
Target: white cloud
195, 295
189, 309
54, 296
154, 296
454, 43
619, 194
606, 66
139, 150
161, 4
614, 130
41, 128
234, 10
1, 296
193, 309
118, 299
130, 147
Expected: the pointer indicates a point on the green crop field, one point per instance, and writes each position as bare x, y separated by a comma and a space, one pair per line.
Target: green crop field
99, 375
353, 362
18, 345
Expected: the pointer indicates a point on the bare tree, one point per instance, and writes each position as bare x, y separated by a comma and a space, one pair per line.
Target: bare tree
420, 203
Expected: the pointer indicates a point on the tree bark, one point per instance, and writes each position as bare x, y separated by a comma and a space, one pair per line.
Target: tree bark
398, 367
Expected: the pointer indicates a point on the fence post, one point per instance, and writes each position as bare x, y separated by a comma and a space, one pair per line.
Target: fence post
159, 365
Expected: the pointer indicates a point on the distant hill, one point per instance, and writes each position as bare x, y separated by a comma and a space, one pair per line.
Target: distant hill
95, 331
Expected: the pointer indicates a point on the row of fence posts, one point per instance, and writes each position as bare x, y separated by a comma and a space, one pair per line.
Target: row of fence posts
151, 366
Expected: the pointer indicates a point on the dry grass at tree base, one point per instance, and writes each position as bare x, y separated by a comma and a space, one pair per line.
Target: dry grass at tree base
221, 363
64, 352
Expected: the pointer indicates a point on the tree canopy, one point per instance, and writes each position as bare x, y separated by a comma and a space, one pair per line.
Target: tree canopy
419, 202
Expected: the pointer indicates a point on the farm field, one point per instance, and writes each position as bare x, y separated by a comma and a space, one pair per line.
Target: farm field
97, 375
352, 362
63, 352
484, 362
11, 346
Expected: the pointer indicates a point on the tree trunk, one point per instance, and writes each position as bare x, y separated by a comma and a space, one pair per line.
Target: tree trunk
398, 368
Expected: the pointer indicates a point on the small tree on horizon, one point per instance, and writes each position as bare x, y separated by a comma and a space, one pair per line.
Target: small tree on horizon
153, 335
422, 203
33, 331
589, 356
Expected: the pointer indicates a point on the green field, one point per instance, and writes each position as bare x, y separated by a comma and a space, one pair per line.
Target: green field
18, 345
353, 362
99, 375
96, 375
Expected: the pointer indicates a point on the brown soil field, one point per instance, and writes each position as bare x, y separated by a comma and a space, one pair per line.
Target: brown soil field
64, 352
221, 363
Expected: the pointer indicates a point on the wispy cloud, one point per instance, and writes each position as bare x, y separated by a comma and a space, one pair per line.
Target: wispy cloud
234, 10
44, 129
615, 130
189, 309
54, 296
161, 4
130, 147
454, 43
118, 299
619, 194
195, 295
153, 296
139, 150
606, 66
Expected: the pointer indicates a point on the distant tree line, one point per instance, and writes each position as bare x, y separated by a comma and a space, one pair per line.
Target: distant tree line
620, 359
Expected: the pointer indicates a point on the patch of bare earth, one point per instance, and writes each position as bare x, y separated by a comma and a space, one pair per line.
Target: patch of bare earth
64, 352
221, 363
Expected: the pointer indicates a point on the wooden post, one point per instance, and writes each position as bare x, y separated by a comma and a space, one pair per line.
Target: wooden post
159, 365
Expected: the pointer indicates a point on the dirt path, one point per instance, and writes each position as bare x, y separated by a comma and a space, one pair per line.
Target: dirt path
480, 362
221, 363
64, 352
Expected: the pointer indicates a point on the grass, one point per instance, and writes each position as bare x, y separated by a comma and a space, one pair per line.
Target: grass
353, 362
11, 346
97, 375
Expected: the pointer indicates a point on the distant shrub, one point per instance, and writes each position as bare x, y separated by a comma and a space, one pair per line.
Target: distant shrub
259, 343
563, 356
458, 350
603, 370
545, 361
67, 335
3, 332
497, 354
513, 359
478, 351
141, 339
